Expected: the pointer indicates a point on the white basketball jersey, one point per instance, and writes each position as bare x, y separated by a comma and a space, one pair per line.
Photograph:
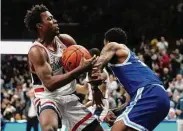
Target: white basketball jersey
90, 96
54, 59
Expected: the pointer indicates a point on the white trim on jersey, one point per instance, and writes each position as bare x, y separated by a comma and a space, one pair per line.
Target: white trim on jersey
124, 115
57, 69
105, 101
90, 96
124, 63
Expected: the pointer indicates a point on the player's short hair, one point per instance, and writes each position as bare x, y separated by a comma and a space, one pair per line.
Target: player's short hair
33, 17
116, 35
94, 51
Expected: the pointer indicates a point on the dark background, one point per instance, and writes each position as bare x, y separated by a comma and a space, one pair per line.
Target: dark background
87, 20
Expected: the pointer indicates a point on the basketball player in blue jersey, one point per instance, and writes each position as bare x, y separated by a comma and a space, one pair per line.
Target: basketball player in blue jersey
55, 100
149, 103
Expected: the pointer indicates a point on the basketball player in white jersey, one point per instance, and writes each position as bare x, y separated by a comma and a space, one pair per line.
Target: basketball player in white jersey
86, 89
54, 89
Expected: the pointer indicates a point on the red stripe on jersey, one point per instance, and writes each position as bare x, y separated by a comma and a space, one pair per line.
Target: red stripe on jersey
36, 101
39, 90
81, 121
48, 102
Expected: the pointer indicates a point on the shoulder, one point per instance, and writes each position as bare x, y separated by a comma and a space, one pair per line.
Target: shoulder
64, 36
36, 49
116, 45
123, 49
37, 53
67, 39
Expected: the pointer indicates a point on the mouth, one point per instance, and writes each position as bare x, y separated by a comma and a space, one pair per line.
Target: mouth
57, 28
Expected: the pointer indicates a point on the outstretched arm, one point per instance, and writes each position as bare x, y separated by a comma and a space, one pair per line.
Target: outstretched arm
109, 51
106, 55
82, 89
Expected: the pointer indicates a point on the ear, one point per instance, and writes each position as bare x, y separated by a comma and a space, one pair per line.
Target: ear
39, 25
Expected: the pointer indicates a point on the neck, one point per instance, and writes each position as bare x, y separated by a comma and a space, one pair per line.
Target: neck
46, 39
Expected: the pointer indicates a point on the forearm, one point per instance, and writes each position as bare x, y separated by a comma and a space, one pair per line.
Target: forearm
104, 59
58, 81
82, 89
88, 104
106, 54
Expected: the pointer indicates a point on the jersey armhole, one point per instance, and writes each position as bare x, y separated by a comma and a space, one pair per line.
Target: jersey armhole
60, 42
125, 62
28, 62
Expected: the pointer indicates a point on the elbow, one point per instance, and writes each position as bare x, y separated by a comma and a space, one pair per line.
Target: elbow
50, 87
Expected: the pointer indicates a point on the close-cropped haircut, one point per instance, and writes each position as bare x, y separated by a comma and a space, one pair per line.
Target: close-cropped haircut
94, 51
116, 35
33, 17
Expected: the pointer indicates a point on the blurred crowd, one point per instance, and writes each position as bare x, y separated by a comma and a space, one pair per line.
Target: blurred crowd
166, 62
15, 82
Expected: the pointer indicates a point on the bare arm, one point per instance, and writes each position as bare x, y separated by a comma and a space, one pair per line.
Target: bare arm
107, 53
89, 103
37, 56
83, 89
67, 40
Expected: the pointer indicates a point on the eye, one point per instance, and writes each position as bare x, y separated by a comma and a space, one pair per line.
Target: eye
50, 18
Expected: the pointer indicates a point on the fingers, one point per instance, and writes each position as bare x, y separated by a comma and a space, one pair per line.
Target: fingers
95, 70
112, 115
93, 58
95, 75
82, 59
97, 64
94, 61
95, 82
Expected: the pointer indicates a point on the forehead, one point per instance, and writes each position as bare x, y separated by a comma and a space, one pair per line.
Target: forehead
45, 14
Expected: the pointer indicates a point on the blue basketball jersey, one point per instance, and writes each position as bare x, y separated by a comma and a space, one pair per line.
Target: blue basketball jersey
134, 74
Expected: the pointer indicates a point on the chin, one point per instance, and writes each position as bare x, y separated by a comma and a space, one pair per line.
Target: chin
57, 32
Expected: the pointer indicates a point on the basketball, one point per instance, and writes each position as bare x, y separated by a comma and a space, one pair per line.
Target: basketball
72, 56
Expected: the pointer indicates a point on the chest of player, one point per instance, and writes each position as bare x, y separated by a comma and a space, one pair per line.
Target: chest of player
55, 62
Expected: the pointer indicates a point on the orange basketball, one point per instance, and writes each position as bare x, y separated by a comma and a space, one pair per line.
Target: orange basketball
72, 56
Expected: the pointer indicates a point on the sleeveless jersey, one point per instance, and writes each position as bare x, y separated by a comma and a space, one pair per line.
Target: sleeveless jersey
90, 95
54, 59
133, 74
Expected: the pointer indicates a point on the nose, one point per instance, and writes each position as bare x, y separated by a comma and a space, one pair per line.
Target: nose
55, 21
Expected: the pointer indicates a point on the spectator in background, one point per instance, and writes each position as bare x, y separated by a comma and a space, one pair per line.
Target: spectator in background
164, 60
178, 56
162, 44
9, 112
179, 46
171, 114
32, 120
140, 56
147, 58
153, 44
177, 87
179, 112
174, 65
143, 43
112, 86
165, 77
